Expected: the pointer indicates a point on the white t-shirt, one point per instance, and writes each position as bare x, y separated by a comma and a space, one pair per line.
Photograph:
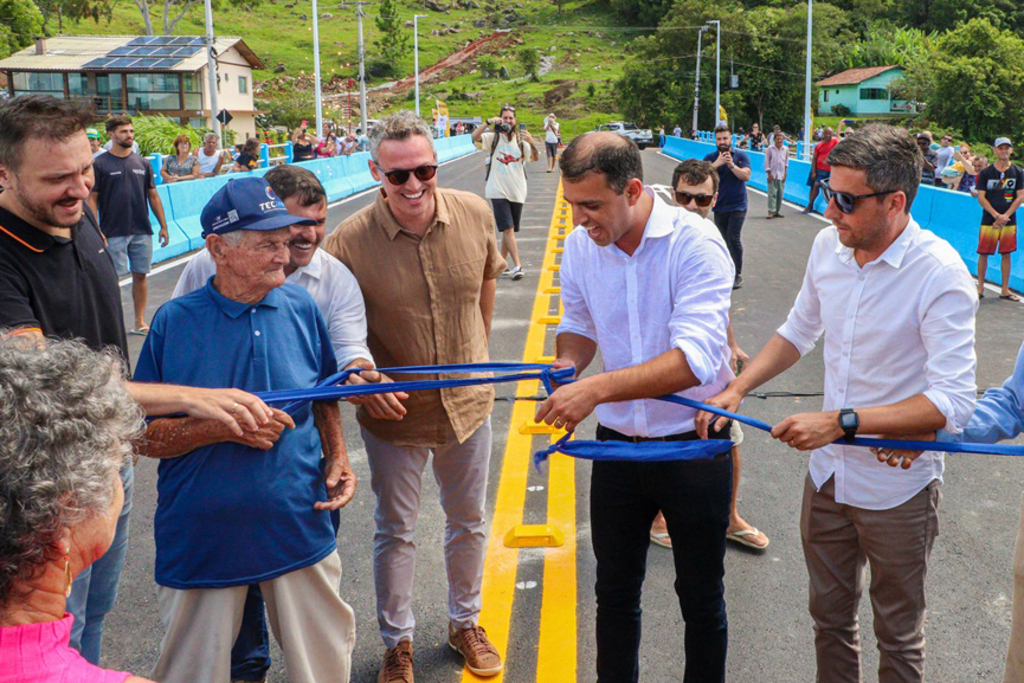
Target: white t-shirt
552, 132
508, 175
207, 163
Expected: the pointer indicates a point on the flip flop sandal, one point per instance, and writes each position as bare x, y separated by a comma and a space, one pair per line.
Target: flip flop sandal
741, 538
1009, 297
140, 332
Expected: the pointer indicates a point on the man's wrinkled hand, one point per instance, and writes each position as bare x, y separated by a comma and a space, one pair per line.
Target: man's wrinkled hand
267, 434
729, 400
900, 457
808, 431
380, 406
569, 405
341, 485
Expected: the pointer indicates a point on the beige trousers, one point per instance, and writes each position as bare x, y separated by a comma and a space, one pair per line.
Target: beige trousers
839, 541
313, 625
1015, 651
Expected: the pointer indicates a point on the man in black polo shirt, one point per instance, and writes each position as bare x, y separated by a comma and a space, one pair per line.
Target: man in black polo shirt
57, 279
123, 192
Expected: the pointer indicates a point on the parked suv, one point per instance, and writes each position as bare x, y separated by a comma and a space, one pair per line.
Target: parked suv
641, 136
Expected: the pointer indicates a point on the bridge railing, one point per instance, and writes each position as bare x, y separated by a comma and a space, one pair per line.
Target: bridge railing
341, 177
953, 216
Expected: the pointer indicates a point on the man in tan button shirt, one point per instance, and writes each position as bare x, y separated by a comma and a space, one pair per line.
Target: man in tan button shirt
426, 260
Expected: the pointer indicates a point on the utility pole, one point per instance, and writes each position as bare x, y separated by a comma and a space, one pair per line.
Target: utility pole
317, 94
718, 69
416, 55
807, 86
211, 68
362, 68
696, 80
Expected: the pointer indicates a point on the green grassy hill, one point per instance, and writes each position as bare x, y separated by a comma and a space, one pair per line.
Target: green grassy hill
581, 54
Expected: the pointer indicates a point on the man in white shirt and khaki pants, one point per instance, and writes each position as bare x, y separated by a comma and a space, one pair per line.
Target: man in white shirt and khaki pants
896, 305
654, 340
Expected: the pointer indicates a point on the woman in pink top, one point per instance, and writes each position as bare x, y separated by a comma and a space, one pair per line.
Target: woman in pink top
66, 427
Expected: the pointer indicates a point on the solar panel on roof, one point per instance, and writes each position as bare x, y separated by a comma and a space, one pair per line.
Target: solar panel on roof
163, 51
121, 51
97, 63
121, 62
184, 52
164, 63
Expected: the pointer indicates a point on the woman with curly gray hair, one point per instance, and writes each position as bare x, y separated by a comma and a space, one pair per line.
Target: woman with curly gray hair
66, 429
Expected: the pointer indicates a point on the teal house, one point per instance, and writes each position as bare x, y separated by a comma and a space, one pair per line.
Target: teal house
865, 92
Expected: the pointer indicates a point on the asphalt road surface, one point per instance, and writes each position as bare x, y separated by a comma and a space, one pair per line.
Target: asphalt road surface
551, 611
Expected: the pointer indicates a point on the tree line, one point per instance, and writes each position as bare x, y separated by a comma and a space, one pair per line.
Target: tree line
962, 61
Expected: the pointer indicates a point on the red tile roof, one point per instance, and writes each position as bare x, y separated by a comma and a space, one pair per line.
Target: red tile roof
855, 76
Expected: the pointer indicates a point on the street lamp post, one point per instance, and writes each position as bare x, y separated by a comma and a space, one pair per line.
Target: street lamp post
362, 69
316, 71
696, 79
211, 68
807, 86
416, 55
718, 69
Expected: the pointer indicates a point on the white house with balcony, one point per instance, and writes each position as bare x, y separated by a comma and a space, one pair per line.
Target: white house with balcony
164, 75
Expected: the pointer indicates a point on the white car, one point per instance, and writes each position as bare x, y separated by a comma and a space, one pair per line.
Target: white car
641, 136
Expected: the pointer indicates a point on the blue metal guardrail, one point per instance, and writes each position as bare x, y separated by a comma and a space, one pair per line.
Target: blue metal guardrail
953, 216
341, 176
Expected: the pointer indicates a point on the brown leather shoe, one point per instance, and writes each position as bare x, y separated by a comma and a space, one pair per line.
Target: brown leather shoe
397, 667
481, 657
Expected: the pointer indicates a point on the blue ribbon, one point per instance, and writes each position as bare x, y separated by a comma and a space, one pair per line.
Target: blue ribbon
334, 388
645, 451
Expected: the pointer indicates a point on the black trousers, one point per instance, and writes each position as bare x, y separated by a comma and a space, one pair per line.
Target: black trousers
694, 496
730, 223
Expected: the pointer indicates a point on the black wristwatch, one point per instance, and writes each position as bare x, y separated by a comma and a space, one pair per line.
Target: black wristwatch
849, 422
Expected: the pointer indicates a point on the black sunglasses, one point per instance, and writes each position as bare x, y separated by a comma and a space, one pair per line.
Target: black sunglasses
401, 176
702, 200
846, 201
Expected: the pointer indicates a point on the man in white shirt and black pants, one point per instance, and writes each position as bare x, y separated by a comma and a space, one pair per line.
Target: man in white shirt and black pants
896, 305
654, 340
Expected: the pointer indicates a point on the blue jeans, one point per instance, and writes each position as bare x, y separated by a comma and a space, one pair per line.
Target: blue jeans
730, 224
94, 591
624, 499
250, 655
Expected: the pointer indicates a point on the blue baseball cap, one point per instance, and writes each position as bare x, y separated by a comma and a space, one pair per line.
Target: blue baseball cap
246, 204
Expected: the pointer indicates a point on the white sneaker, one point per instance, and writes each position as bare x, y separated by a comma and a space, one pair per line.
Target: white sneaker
517, 273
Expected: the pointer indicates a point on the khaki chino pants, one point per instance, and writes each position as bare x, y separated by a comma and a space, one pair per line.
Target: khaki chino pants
396, 477
839, 541
315, 628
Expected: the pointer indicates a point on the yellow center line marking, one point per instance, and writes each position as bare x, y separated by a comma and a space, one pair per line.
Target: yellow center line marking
557, 646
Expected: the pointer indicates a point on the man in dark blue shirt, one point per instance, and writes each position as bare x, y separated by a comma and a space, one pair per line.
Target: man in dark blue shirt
730, 211
254, 509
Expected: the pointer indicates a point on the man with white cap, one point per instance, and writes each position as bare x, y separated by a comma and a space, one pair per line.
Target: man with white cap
271, 336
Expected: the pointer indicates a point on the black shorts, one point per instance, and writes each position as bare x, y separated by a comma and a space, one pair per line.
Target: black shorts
552, 148
507, 214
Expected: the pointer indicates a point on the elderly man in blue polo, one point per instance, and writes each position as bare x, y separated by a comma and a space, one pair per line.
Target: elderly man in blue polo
236, 511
